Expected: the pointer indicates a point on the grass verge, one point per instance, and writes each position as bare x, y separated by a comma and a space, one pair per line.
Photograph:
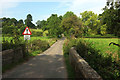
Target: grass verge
70, 70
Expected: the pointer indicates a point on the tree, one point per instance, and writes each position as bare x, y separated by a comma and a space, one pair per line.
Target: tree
44, 25
91, 22
38, 24
9, 29
71, 24
20, 23
86, 15
22, 29
103, 29
111, 17
13, 21
53, 25
28, 21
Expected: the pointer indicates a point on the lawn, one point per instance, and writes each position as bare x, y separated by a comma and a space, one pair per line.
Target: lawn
102, 44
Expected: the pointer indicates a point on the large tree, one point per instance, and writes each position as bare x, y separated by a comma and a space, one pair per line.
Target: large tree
28, 21
53, 25
111, 17
71, 24
91, 22
20, 23
38, 24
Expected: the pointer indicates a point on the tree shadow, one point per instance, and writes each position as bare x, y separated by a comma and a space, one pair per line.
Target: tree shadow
42, 66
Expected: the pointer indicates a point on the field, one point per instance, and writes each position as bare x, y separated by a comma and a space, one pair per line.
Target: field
102, 44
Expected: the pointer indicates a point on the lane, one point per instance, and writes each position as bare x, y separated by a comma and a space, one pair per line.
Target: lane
49, 64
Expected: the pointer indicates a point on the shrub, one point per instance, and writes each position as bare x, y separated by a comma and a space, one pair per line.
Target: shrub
100, 36
68, 44
12, 44
105, 67
39, 45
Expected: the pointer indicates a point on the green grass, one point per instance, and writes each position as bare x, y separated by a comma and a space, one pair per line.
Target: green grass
70, 70
39, 30
102, 44
35, 53
31, 38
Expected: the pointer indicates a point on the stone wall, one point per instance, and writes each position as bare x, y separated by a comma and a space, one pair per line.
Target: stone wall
81, 67
12, 56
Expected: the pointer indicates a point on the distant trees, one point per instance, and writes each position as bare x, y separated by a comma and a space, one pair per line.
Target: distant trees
88, 24
9, 30
42, 25
28, 21
11, 26
20, 23
38, 24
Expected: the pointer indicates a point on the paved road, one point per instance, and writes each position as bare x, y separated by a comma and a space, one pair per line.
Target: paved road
49, 64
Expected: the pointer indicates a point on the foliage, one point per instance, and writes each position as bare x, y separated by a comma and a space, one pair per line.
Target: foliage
20, 23
13, 43
38, 24
111, 17
45, 33
22, 29
39, 45
9, 29
90, 22
53, 23
36, 32
43, 25
101, 36
28, 21
71, 24
104, 65
103, 29
70, 70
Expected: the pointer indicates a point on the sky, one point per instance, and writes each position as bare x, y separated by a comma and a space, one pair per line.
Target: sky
42, 9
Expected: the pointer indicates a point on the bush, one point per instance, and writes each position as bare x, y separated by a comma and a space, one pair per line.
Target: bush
68, 44
12, 44
100, 36
36, 32
39, 45
105, 67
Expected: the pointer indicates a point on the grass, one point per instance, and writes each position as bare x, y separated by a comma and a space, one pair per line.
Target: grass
95, 52
39, 30
102, 44
70, 70
35, 53
31, 38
